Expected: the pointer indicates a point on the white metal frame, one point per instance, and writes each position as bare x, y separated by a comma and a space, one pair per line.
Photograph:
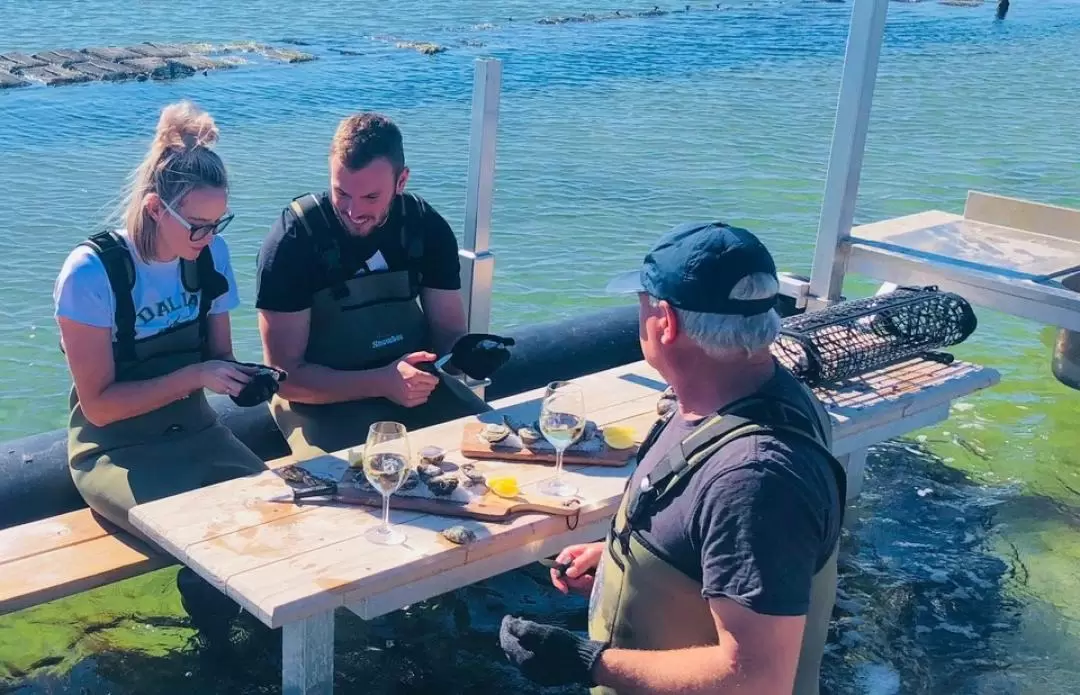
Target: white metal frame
477, 261
865, 36
837, 251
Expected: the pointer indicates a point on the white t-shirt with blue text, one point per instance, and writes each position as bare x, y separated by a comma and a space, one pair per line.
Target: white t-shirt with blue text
82, 292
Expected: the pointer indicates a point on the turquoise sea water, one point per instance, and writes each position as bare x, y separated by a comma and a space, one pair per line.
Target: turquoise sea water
610, 132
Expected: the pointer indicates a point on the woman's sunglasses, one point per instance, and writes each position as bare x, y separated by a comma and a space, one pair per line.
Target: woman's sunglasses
200, 231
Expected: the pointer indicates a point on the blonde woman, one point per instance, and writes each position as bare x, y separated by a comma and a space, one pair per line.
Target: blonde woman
144, 324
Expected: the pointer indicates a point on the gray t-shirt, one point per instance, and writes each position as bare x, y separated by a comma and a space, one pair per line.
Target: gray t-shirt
757, 520
82, 291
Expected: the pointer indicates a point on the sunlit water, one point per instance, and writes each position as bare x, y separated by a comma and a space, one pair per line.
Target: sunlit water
960, 571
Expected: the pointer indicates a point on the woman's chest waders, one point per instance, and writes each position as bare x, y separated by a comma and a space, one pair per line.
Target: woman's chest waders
640, 601
360, 322
147, 358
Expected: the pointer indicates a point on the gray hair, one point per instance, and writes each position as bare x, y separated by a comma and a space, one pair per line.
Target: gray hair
721, 334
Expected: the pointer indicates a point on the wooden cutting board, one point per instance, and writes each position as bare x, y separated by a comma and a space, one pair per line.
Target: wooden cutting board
483, 505
473, 502
511, 449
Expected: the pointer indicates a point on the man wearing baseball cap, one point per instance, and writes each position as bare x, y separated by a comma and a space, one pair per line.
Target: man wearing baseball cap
719, 571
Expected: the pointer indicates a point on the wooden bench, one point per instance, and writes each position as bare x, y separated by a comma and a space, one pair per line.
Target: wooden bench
66, 554
52, 558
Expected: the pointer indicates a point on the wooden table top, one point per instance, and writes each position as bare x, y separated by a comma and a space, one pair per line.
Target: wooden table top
285, 562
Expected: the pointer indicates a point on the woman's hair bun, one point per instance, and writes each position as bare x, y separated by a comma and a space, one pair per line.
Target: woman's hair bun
185, 126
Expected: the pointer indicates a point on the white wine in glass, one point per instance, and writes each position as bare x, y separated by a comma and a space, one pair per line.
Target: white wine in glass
386, 464
562, 419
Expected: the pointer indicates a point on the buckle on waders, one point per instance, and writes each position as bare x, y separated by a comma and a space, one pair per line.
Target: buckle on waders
636, 506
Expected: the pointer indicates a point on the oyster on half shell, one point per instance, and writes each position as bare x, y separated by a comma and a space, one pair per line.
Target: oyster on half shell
495, 432
442, 485
428, 471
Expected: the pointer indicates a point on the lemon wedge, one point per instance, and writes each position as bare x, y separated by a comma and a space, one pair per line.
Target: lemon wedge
504, 486
619, 436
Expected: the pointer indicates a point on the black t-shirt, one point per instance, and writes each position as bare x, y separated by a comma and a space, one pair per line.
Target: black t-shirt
290, 272
757, 520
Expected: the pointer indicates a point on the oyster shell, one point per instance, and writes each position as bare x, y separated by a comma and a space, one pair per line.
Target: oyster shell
356, 477
529, 435
442, 485
459, 535
295, 474
432, 455
495, 432
411, 480
666, 402
472, 476
428, 471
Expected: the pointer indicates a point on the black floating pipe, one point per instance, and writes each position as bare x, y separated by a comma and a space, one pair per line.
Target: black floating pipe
35, 483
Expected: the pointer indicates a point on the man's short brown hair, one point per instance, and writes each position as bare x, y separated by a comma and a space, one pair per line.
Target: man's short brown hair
363, 138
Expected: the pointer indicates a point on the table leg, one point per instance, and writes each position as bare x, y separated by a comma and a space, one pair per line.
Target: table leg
307, 656
855, 465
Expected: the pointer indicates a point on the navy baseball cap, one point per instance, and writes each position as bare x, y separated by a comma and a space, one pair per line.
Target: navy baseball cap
696, 265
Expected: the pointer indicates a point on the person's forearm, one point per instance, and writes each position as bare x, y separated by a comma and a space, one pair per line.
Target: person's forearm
444, 337
711, 669
127, 399
316, 384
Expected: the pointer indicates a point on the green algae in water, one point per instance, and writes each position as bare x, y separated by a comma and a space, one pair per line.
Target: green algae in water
1042, 541
139, 615
447, 644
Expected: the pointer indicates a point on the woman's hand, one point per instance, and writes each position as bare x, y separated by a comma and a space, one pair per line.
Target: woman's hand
104, 400
226, 378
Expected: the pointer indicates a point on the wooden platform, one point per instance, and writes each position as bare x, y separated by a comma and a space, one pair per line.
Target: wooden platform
292, 566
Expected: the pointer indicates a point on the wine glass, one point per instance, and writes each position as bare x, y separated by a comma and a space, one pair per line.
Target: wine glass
386, 464
562, 419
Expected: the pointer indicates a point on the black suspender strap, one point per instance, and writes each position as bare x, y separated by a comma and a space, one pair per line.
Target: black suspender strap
681, 461
212, 285
319, 231
412, 239
745, 417
650, 439
120, 269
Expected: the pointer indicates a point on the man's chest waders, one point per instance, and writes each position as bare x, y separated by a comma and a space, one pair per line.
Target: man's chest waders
639, 601
357, 323
157, 453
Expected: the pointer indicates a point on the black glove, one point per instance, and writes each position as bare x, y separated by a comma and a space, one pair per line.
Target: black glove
549, 655
264, 383
480, 354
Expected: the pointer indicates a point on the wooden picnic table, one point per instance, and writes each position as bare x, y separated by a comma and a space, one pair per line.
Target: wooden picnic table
293, 565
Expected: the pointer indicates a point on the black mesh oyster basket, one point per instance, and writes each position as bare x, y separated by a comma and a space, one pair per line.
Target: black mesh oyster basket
855, 337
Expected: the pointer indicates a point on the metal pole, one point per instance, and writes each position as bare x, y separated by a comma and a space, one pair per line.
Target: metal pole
477, 262
865, 35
